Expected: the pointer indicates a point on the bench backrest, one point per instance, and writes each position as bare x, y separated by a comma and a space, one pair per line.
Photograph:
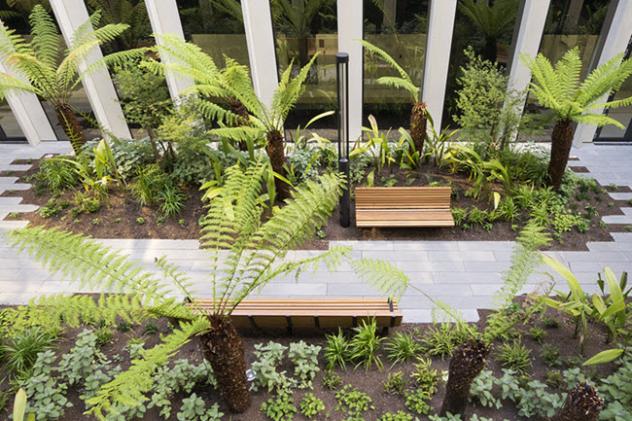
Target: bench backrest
403, 197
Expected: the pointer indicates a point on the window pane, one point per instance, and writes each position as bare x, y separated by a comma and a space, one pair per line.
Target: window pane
622, 114
302, 30
217, 27
492, 39
9, 128
400, 28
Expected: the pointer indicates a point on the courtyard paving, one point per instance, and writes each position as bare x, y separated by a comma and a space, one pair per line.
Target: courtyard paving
463, 274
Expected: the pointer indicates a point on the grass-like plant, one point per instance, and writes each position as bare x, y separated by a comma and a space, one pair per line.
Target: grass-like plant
37, 58
515, 355
365, 345
559, 89
402, 347
246, 252
419, 110
336, 350
19, 352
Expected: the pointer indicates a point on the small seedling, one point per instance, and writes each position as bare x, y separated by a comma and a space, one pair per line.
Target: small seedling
140, 220
394, 383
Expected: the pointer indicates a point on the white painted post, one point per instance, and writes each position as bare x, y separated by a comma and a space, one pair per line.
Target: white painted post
528, 42
350, 20
70, 15
261, 52
165, 19
28, 111
440, 30
616, 43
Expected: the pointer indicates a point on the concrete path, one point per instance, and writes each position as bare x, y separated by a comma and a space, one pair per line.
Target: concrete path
464, 274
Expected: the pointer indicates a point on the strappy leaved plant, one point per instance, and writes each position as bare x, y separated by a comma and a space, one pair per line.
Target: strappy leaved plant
559, 89
419, 110
228, 97
42, 70
131, 12
246, 252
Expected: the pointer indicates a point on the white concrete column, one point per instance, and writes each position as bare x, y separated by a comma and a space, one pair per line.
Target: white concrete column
350, 20
165, 19
70, 14
261, 52
440, 30
527, 42
28, 111
616, 43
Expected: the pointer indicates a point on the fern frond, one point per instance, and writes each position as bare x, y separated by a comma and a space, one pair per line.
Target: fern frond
177, 276
382, 275
599, 120
129, 388
46, 40
399, 83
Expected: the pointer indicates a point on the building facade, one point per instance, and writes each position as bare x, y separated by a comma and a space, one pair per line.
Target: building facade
427, 38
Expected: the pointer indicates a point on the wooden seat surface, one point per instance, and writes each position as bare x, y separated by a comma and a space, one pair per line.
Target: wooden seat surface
309, 313
403, 207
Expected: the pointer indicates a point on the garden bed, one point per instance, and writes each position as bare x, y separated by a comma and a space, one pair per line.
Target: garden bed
549, 353
123, 217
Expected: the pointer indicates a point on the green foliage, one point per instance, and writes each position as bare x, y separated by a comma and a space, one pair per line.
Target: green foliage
481, 390
353, 402
365, 345
280, 407
395, 383
417, 401
149, 182
395, 416
515, 355
77, 364
616, 390
172, 200
197, 162
84, 203
331, 380
56, 174
537, 334
424, 376
441, 340
402, 347
268, 358
194, 409
46, 395
20, 352
304, 357
311, 406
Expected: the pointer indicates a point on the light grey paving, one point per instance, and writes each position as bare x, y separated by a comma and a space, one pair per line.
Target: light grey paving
463, 274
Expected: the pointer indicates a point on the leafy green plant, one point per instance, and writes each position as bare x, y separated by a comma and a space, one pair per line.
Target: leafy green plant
395, 383
550, 354
56, 174
331, 380
47, 73
305, 360
46, 395
194, 409
149, 182
402, 347
268, 358
280, 407
395, 416
416, 401
482, 390
424, 376
515, 355
365, 345
442, 339
560, 90
311, 406
172, 200
353, 402
537, 334
20, 352
337, 350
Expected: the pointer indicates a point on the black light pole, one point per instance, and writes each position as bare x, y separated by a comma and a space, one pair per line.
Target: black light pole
342, 77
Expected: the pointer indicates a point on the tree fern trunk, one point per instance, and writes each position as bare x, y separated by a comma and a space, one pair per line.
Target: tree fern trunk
467, 362
238, 108
276, 153
225, 351
561, 142
70, 123
490, 50
582, 404
418, 124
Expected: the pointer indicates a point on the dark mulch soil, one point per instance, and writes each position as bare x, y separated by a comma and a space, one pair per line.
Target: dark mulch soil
119, 218
369, 381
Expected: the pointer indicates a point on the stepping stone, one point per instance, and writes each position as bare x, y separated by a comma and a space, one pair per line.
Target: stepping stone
621, 196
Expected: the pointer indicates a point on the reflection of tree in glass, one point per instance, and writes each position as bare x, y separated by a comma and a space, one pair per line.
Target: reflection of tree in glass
298, 19
131, 12
494, 21
576, 17
211, 17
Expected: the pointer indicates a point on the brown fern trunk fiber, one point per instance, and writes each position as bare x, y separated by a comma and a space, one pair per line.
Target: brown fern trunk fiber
418, 124
225, 351
238, 108
490, 50
70, 123
276, 153
467, 362
582, 404
561, 142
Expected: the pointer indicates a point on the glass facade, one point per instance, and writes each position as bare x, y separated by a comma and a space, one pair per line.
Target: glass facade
217, 27
400, 28
10, 131
621, 114
487, 27
303, 28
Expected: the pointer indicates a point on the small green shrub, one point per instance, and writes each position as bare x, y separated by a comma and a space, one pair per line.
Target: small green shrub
20, 351
554, 378
442, 340
331, 380
417, 401
481, 390
515, 356
424, 376
337, 350
365, 345
402, 347
194, 409
394, 383
550, 355
268, 358
172, 200
56, 174
85, 203
537, 334
311, 406
279, 408
305, 360
395, 416
353, 402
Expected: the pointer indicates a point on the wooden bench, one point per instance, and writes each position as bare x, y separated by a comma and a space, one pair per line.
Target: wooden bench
403, 207
309, 314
